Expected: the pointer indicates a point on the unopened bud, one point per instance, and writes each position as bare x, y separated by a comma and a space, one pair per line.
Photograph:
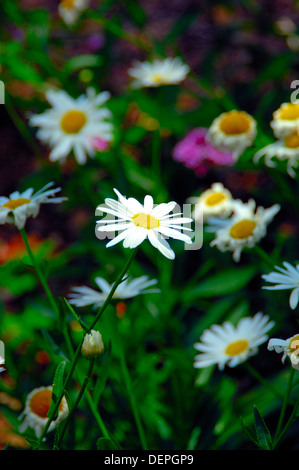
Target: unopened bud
93, 345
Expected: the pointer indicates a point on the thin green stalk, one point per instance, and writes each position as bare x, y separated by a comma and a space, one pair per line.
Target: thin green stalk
129, 387
39, 273
287, 426
284, 403
78, 351
156, 155
77, 401
264, 256
264, 382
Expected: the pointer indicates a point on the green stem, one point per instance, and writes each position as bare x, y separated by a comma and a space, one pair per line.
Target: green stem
264, 382
284, 403
156, 156
280, 434
132, 398
78, 351
39, 273
264, 256
77, 401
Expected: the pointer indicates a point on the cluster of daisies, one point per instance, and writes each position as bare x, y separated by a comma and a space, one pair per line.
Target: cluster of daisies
285, 126
237, 225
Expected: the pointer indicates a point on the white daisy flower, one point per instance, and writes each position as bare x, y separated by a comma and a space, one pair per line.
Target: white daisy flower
285, 120
234, 130
159, 72
245, 228
129, 288
93, 345
215, 201
286, 148
19, 206
287, 278
136, 222
72, 124
289, 347
227, 344
36, 410
69, 10
2, 363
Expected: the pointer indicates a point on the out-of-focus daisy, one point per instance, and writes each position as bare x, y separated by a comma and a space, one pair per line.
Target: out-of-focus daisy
36, 410
2, 362
93, 345
136, 222
286, 148
231, 345
197, 153
287, 278
234, 131
71, 124
69, 10
245, 228
129, 288
215, 201
19, 206
167, 71
285, 120
289, 348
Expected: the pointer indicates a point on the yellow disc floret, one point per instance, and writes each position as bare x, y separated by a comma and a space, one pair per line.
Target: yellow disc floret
73, 121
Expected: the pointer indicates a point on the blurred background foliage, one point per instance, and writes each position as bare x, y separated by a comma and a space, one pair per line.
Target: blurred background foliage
243, 54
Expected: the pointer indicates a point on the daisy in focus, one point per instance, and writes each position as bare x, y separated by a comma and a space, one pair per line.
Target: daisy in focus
129, 288
285, 120
289, 348
36, 410
245, 228
159, 72
136, 222
287, 278
19, 206
70, 10
286, 148
72, 124
234, 131
216, 201
232, 345
197, 153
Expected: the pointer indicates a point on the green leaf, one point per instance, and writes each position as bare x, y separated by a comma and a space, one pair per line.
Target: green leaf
58, 387
262, 432
74, 314
223, 283
105, 444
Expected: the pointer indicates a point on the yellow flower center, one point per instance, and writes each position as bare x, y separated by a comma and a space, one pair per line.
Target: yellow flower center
68, 4
157, 78
290, 112
40, 403
243, 229
214, 199
292, 141
235, 122
73, 121
237, 347
294, 345
145, 221
14, 203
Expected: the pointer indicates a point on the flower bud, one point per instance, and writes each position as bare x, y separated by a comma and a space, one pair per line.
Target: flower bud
93, 345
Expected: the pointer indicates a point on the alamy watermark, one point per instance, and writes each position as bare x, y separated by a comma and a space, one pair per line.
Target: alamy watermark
149, 222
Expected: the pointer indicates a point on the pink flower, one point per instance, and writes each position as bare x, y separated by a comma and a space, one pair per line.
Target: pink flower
99, 144
197, 153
